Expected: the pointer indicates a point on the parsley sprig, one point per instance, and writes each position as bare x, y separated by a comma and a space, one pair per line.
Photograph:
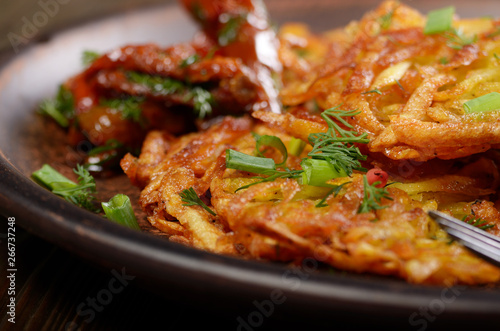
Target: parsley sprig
203, 100
130, 107
81, 194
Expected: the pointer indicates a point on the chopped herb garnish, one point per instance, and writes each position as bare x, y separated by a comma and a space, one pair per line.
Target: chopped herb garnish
129, 107
399, 84
296, 146
259, 165
88, 57
81, 194
386, 20
439, 20
318, 172
271, 141
373, 91
444, 60
484, 103
273, 175
190, 198
457, 38
372, 197
333, 155
337, 144
244, 162
119, 210
61, 108
202, 99
198, 12
477, 222
158, 85
190, 60
111, 144
494, 33
230, 29
335, 190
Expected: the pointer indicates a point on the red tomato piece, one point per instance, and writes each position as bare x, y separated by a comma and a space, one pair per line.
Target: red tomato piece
377, 175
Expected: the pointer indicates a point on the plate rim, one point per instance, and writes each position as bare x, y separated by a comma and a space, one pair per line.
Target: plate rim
35, 209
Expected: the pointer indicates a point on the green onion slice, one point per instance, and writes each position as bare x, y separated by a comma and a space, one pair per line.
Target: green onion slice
119, 210
484, 103
53, 179
244, 162
296, 146
271, 141
439, 20
318, 172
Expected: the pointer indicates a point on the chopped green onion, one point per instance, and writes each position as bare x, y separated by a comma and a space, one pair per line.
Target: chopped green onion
296, 146
271, 141
119, 210
439, 20
318, 172
484, 103
244, 162
52, 179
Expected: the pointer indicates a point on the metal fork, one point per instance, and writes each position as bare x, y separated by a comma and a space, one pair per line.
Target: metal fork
477, 240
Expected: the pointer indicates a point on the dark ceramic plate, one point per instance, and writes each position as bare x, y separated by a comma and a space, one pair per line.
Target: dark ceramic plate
27, 141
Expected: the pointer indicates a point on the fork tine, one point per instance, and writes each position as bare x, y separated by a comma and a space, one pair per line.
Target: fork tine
449, 221
481, 242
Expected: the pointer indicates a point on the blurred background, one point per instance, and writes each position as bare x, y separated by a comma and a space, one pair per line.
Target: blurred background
24, 21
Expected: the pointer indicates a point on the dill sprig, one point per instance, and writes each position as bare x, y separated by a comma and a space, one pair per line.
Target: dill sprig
335, 191
273, 175
372, 197
477, 222
457, 39
337, 144
190, 198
